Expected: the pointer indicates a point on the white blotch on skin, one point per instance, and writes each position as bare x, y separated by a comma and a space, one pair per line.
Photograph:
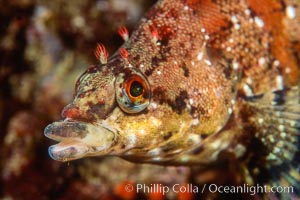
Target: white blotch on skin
191, 101
184, 159
279, 82
237, 26
249, 80
287, 70
186, 7
229, 110
193, 63
207, 62
209, 111
200, 56
261, 61
259, 22
218, 92
216, 144
271, 157
276, 150
203, 30
158, 72
231, 40
271, 139
206, 37
152, 106
177, 151
142, 65
157, 158
188, 106
283, 135
280, 144
228, 49
260, 120
195, 122
239, 150
281, 128
247, 90
276, 63
142, 131
278, 114
234, 19
293, 123
131, 140
235, 65
290, 12
154, 152
195, 138
155, 121
248, 12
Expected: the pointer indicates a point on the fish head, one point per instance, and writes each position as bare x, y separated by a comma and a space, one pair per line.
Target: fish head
102, 119
117, 110
108, 114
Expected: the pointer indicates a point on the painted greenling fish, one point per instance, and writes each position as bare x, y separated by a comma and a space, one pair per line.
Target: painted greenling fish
199, 82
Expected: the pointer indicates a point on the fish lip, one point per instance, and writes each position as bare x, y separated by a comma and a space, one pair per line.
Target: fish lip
67, 128
62, 152
79, 139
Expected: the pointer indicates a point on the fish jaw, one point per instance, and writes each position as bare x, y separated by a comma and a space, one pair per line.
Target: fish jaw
79, 139
139, 138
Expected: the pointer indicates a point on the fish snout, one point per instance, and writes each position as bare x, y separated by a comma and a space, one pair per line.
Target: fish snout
89, 113
71, 111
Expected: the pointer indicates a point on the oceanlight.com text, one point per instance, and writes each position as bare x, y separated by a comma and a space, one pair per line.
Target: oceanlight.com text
213, 188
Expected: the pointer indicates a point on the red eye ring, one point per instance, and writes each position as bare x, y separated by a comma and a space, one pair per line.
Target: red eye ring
135, 88
133, 92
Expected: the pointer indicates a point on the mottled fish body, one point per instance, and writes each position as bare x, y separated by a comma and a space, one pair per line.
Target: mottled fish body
197, 83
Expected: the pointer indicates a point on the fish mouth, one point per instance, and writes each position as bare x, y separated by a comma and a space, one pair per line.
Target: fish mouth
79, 139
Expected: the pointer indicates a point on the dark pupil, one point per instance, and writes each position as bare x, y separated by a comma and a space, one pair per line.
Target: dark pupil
136, 89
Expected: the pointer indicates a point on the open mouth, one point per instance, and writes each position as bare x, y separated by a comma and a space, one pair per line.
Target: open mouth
78, 139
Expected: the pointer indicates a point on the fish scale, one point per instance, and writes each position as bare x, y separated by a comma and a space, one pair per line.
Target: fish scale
215, 82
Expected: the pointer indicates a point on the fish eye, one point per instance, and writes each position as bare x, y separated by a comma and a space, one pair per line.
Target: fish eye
136, 89
132, 91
